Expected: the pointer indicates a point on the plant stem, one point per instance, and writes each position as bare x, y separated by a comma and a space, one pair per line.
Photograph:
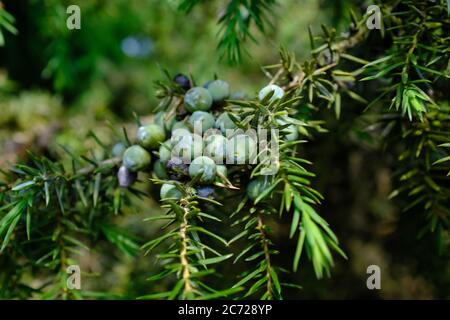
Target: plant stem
81, 172
87, 170
183, 253
264, 243
62, 252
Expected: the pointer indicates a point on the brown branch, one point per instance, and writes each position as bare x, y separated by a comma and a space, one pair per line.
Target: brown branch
186, 274
264, 241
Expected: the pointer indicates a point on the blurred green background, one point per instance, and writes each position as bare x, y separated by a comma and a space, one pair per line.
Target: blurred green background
57, 84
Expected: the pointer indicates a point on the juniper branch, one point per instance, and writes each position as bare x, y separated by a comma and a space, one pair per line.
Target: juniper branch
183, 253
265, 245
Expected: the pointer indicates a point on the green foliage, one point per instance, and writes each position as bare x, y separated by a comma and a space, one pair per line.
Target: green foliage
187, 257
422, 176
292, 178
262, 278
49, 214
291, 181
415, 68
7, 23
416, 59
52, 212
235, 24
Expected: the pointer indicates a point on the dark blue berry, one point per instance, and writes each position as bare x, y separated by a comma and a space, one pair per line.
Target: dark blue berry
205, 191
182, 81
176, 168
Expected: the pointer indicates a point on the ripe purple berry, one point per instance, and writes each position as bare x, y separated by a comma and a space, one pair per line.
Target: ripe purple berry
126, 177
176, 168
182, 81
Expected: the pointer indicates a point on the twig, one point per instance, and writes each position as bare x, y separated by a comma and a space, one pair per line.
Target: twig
183, 253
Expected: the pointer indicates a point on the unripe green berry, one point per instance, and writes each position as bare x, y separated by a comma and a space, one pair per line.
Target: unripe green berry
291, 131
160, 170
150, 136
187, 147
177, 134
136, 158
278, 92
197, 99
257, 186
201, 120
165, 151
222, 170
219, 89
211, 132
216, 147
180, 125
164, 121
224, 123
204, 167
169, 191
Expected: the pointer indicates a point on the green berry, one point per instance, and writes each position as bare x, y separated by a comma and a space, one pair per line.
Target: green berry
291, 131
165, 151
257, 186
197, 99
169, 191
224, 123
204, 167
278, 92
216, 147
118, 149
163, 120
201, 120
219, 89
222, 170
150, 136
204, 191
211, 132
177, 134
179, 125
187, 147
160, 170
241, 149
136, 158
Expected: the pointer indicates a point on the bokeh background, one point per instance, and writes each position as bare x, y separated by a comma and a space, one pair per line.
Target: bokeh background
58, 84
